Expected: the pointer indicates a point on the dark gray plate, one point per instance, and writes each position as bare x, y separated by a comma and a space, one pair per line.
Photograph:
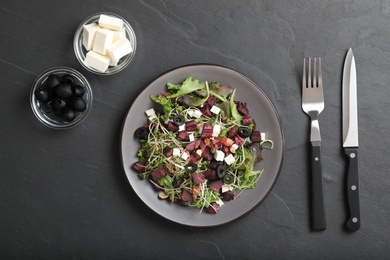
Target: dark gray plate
260, 107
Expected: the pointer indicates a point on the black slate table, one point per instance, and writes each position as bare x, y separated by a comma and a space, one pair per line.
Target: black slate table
63, 194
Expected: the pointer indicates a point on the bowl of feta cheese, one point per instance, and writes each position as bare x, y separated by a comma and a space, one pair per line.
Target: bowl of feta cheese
104, 43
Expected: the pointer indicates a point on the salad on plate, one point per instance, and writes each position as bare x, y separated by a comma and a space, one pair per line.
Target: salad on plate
199, 146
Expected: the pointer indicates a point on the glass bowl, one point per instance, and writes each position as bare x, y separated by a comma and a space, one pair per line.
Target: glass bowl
81, 52
45, 112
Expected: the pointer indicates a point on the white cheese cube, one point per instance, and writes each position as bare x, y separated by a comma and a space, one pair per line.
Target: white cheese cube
191, 112
119, 49
110, 22
219, 202
182, 127
119, 35
215, 110
185, 156
191, 137
197, 114
97, 61
199, 152
176, 152
103, 39
216, 130
152, 117
262, 136
150, 112
219, 155
89, 32
229, 159
235, 146
227, 187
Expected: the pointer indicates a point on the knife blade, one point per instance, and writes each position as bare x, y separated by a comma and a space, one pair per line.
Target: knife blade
350, 139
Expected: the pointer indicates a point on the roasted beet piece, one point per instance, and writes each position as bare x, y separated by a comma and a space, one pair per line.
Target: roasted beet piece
228, 195
210, 174
198, 178
216, 185
168, 151
239, 140
172, 127
247, 120
191, 146
191, 125
233, 131
226, 150
158, 174
206, 154
139, 166
241, 107
186, 196
213, 208
207, 130
217, 144
206, 110
256, 137
211, 101
182, 136
194, 157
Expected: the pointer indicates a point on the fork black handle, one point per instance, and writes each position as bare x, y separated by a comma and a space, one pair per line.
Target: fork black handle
318, 204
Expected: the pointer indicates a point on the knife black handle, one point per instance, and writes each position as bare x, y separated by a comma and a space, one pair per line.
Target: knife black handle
318, 204
353, 223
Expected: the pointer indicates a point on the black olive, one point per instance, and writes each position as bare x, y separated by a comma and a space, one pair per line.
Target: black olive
178, 120
59, 104
190, 167
79, 104
177, 182
228, 179
221, 170
141, 133
244, 132
53, 81
63, 91
68, 115
78, 91
67, 79
42, 95
48, 106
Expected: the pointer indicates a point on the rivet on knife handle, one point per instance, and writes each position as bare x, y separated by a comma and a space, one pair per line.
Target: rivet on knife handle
353, 223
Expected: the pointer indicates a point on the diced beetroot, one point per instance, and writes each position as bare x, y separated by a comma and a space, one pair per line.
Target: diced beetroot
158, 174
217, 144
206, 110
186, 196
213, 208
191, 146
216, 185
207, 130
241, 107
194, 157
233, 131
211, 101
228, 195
256, 137
238, 140
226, 150
191, 125
172, 127
206, 154
202, 145
198, 178
168, 151
247, 120
183, 136
139, 166
210, 174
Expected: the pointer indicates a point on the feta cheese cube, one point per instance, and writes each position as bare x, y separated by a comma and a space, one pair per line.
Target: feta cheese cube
227, 187
119, 49
235, 146
182, 127
176, 152
191, 112
219, 202
119, 35
89, 32
152, 117
110, 22
229, 159
262, 136
191, 137
103, 39
215, 109
216, 130
185, 156
150, 112
199, 152
97, 61
197, 114
219, 156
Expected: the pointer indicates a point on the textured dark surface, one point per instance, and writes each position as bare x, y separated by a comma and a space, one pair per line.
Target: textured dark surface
64, 193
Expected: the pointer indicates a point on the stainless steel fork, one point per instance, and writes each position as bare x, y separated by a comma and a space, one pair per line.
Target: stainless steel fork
313, 104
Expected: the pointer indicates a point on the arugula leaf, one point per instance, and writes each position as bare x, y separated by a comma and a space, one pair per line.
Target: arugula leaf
188, 86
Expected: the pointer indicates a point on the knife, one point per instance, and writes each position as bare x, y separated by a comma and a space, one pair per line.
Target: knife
350, 140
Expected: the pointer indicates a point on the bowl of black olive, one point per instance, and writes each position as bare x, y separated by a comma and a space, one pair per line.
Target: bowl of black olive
61, 97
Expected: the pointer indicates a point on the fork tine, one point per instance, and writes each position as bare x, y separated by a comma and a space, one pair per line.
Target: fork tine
315, 73
319, 73
309, 75
304, 75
